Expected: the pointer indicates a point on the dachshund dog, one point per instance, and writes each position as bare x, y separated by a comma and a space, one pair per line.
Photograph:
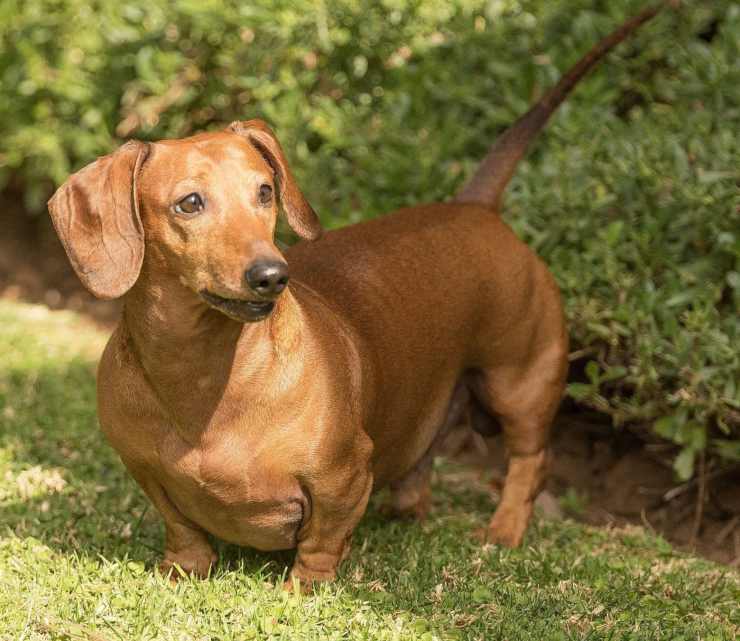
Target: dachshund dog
265, 411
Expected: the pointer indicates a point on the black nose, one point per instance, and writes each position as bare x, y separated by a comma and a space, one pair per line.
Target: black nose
267, 278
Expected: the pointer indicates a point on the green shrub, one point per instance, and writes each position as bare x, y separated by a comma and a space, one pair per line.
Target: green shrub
631, 196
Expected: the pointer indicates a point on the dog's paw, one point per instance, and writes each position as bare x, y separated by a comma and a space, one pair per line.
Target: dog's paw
507, 527
292, 583
417, 512
407, 507
196, 563
307, 579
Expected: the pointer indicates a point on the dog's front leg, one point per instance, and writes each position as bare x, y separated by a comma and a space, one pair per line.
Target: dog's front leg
186, 544
324, 542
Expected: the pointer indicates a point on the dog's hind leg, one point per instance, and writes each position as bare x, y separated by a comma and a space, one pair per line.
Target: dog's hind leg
411, 496
524, 401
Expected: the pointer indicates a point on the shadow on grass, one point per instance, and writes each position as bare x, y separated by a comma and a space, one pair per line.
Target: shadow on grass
50, 431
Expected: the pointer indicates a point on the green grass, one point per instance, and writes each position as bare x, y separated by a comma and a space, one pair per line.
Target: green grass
78, 543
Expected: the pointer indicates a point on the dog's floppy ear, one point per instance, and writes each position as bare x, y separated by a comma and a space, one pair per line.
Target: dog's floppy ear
96, 215
301, 216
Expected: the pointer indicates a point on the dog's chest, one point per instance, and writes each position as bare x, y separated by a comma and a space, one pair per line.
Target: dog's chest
233, 492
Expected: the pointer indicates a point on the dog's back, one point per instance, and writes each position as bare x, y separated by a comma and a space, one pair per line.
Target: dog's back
433, 292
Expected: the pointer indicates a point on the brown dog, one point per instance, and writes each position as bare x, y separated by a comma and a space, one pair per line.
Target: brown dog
266, 414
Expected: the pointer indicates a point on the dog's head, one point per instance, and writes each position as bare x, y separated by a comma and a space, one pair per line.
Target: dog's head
204, 207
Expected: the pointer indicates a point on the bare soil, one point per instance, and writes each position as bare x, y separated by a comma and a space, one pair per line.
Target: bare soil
599, 475
612, 477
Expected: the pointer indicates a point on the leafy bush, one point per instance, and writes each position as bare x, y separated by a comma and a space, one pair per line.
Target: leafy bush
631, 195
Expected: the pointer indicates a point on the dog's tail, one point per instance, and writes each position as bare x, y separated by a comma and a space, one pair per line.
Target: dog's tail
488, 183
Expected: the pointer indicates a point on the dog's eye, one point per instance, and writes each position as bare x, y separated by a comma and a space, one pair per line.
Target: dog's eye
191, 204
265, 194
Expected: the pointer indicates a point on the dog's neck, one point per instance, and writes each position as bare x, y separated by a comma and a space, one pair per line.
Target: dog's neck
186, 349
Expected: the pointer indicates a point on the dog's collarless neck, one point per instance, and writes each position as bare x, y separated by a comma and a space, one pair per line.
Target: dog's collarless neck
187, 351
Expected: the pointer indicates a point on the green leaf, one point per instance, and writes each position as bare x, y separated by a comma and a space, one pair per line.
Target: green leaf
727, 449
613, 232
613, 373
580, 391
667, 427
593, 370
684, 463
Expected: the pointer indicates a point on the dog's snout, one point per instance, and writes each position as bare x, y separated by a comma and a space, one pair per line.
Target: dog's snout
267, 278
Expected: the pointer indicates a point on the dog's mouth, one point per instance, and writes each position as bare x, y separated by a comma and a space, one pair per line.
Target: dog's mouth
247, 311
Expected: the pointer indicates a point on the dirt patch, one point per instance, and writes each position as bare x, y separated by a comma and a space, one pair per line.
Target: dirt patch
599, 475
604, 476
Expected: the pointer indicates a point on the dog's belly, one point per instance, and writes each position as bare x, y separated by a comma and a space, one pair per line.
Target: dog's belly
405, 434
229, 496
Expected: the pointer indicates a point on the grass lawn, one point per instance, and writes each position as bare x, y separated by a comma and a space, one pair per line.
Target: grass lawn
78, 542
